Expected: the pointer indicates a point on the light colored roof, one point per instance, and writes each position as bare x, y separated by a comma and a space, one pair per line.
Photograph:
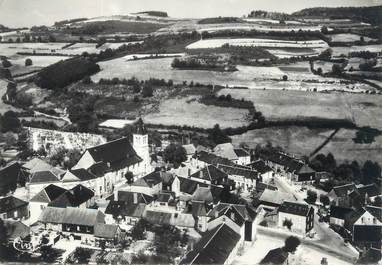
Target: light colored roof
116, 123
226, 150
106, 230
203, 194
190, 149
276, 197
76, 216
37, 164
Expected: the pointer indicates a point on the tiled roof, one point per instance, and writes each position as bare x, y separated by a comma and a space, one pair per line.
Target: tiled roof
150, 180
37, 164
121, 208
44, 177
75, 216
305, 169
212, 159
82, 174
16, 229
210, 173
344, 190
214, 247
140, 127
116, 154
294, 208
275, 256
73, 197
48, 194
290, 163
159, 218
189, 186
261, 186
371, 190
9, 176
190, 149
203, 194
339, 212
237, 171
128, 197
108, 231
240, 152
226, 150
245, 212
164, 197
260, 167
375, 211
11, 203
276, 197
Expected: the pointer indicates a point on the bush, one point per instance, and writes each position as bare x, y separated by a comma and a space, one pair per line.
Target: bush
311, 196
6, 63
147, 91
288, 224
28, 62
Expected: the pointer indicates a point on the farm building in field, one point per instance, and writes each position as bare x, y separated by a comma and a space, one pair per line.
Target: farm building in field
12, 207
245, 179
217, 246
300, 215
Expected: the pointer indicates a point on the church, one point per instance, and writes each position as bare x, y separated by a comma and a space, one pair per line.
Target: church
104, 166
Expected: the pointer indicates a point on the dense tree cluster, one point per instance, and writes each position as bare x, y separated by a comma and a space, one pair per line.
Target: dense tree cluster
174, 154
63, 73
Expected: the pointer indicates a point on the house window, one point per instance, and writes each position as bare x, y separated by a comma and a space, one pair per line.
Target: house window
15, 214
362, 220
374, 220
42, 207
78, 228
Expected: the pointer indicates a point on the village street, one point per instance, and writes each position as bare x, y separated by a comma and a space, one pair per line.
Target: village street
327, 240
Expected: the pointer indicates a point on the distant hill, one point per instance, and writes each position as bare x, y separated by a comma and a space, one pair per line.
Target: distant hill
371, 14
153, 13
269, 15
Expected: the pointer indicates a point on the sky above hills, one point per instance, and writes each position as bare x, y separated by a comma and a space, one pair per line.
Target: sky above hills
20, 13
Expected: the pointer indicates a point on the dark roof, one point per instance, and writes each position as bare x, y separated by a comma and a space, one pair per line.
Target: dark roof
210, 173
116, 154
16, 229
240, 152
260, 166
240, 213
339, 212
128, 197
140, 127
370, 256
375, 211
198, 208
11, 203
367, 233
73, 197
305, 169
212, 159
150, 180
261, 186
158, 218
371, 190
108, 231
275, 256
98, 169
44, 177
48, 194
75, 216
214, 247
294, 208
121, 208
344, 190
238, 171
291, 164
165, 197
9, 177
189, 186
82, 174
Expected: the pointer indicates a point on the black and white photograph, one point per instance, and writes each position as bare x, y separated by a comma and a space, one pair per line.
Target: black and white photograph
237, 132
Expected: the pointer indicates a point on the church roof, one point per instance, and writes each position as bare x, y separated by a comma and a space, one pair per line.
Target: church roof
140, 127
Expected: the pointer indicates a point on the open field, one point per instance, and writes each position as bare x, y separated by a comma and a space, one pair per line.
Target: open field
246, 76
37, 60
347, 37
254, 42
303, 141
188, 111
337, 51
363, 109
9, 49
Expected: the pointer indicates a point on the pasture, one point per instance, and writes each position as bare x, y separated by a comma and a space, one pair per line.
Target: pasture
188, 111
363, 109
347, 37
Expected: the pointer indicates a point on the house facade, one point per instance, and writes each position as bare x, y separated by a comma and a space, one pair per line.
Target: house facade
13, 208
300, 215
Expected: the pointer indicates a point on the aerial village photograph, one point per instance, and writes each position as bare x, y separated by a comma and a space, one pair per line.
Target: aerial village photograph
239, 132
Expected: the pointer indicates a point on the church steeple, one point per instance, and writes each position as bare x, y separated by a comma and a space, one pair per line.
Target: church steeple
140, 127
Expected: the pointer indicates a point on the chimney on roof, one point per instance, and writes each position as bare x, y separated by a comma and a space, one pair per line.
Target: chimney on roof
135, 198
189, 172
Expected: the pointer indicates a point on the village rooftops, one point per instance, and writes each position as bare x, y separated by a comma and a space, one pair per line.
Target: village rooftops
275, 256
275, 197
240, 152
75, 216
370, 190
9, 177
73, 197
344, 190
121, 208
10, 203
116, 154
241, 212
339, 212
48, 194
189, 186
290, 163
212, 159
294, 208
44, 177
260, 167
16, 229
214, 247
211, 173
150, 180
36, 164
107, 231
190, 149
79, 174
131, 197
238, 171
208, 195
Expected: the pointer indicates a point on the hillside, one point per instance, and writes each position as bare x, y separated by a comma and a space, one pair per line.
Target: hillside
372, 14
